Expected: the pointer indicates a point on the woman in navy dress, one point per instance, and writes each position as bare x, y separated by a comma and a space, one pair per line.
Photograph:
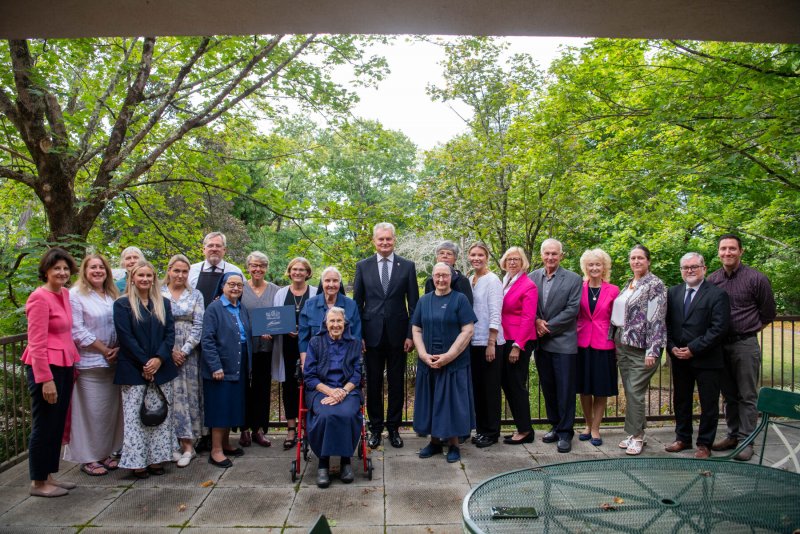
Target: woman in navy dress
442, 327
332, 374
227, 349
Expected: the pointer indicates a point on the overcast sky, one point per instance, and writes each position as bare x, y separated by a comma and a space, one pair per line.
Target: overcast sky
400, 102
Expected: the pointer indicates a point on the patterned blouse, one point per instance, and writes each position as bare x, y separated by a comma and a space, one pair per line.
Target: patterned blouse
645, 315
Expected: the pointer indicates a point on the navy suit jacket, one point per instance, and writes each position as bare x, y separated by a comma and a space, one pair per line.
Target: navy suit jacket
703, 329
390, 311
140, 341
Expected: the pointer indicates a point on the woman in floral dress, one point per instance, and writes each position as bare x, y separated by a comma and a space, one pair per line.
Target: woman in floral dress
187, 310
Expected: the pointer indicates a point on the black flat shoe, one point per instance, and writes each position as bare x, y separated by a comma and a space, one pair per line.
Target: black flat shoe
526, 439
226, 463
155, 470
236, 453
323, 478
346, 474
141, 473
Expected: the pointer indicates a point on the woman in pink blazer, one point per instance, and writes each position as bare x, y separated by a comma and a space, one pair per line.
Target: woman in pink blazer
49, 357
518, 318
597, 362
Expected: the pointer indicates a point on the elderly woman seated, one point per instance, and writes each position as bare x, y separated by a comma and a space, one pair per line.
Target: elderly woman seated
332, 376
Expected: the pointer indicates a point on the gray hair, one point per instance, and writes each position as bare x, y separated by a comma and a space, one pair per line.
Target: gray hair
257, 256
442, 264
689, 255
211, 235
330, 269
551, 241
336, 309
127, 251
383, 226
447, 245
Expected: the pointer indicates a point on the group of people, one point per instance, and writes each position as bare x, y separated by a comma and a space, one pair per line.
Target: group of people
118, 341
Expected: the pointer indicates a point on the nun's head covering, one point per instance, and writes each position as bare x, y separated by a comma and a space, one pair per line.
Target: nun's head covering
223, 281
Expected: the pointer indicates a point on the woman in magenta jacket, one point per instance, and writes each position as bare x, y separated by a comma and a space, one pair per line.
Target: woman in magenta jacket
518, 318
597, 362
49, 356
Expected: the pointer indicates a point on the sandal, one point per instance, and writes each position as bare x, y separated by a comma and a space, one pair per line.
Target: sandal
635, 446
94, 469
289, 443
110, 463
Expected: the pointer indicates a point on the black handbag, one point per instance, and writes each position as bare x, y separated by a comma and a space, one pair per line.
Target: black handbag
155, 415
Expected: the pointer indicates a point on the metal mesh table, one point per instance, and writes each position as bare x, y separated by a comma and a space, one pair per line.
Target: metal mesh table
640, 495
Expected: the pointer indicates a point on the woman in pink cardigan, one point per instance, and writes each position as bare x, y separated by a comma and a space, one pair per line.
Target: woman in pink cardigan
520, 298
597, 361
50, 356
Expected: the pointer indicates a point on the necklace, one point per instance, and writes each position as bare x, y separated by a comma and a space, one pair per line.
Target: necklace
298, 303
595, 292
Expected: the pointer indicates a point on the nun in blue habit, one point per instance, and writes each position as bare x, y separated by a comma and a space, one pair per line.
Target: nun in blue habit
332, 376
442, 328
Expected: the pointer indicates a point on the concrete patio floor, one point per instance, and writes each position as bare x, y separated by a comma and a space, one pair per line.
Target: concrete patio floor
407, 494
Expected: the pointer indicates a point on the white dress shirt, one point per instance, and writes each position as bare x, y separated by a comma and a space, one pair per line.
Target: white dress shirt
194, 270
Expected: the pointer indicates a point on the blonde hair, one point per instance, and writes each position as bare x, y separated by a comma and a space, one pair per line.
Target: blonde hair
172, 261
600, 254
83, 284
299, 259
525, 263
154, 294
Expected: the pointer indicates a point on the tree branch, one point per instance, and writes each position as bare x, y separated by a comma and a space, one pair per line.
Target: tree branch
755, 68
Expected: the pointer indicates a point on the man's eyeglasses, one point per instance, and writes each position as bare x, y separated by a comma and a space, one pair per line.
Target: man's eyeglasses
688, 268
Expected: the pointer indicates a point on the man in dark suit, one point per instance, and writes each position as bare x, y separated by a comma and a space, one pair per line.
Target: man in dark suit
698, 316
386, 292
557, 330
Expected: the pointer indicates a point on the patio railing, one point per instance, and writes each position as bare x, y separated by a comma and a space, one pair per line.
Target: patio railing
780, 368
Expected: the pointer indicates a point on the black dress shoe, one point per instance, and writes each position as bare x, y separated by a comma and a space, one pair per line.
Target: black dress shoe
526, 439
226, 463
234, 452
550, 437
395, 439
564, 445
323, 478
346, 474
374, 440
485, 441
474, 439
203, 444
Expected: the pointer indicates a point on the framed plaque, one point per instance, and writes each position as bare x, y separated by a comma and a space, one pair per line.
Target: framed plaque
274, 320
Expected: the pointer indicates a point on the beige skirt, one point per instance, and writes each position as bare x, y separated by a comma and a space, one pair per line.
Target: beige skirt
96, 420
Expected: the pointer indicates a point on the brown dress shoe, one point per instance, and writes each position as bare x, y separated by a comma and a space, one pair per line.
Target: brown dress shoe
702, 452
727, 444
245, 439
745, 455
261, 439
678, 446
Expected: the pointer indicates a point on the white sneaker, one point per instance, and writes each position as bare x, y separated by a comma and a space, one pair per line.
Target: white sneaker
186, 458
625, 442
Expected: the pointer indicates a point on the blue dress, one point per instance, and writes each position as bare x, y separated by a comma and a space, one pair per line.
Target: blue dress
443, 403
333, 430
226, 345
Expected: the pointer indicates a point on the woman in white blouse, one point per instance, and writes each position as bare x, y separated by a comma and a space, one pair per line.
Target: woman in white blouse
96, 414
487, 292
